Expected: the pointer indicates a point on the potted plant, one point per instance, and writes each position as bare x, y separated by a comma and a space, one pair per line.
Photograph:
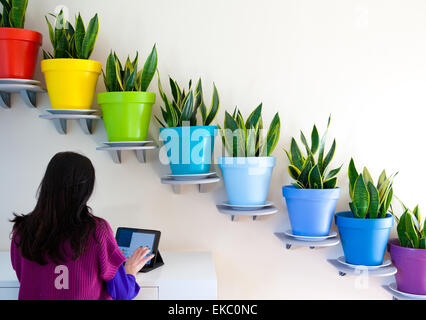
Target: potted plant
127, 107
364, 231
248, 167
311, 200
189, 147
70, 76
408, 253
18, 46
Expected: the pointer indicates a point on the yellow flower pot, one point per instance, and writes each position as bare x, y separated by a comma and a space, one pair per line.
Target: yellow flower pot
71, 83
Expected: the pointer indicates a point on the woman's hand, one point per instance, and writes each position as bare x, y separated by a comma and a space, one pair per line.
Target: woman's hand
138, 259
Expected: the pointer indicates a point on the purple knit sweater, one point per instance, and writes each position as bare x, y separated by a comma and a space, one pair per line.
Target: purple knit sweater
87, 276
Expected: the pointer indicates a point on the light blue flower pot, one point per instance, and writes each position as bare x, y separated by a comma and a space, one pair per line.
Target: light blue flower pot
364, 241
189, 149
311, 211
247, 180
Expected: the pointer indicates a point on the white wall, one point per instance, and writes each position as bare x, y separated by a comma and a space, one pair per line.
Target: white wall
363, 61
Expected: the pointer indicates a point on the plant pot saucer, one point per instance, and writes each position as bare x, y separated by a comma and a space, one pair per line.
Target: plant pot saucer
385, 263
254, 213
289, 233
19, 81
363, 270
201, 182
247, 207
27, 89
399, 295
127, 143
290, 241
190, 177
71, 111
139, 150
60, 121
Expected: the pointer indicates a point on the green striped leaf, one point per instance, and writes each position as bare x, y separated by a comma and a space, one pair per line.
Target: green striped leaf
315, 180
187, 107
367, 176
322, 145
304, 174
373, 209
305, 143
361, 197
296, 155
382, 178
80, 32
353, 175
402, 235
254, 118
354, 211
294, 172
330, 183
90, 38
333, 173
17, 13
328, 158
214, 107
110, 78
315, 140
149, 68
411, 231
417, 214
272, 137
422, 243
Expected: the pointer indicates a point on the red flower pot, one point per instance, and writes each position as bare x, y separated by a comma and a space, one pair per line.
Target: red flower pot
18, 52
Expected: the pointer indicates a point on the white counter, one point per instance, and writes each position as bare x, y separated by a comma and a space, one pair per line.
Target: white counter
185, 275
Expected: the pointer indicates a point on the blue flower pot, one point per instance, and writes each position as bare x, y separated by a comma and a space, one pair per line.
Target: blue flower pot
189, 148
247, 180
363, 240
311, 211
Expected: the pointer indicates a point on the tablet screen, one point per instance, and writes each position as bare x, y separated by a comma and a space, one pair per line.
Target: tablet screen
128, 241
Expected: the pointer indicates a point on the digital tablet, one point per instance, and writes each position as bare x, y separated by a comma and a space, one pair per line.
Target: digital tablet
129, 239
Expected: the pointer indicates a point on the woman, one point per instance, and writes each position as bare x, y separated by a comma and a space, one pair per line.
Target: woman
61, 251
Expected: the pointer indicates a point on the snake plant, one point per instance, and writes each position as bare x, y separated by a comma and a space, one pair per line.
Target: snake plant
184, 106
244, 138
128, 78
70, 42
369, 200
13, 15
308, 172
411, 231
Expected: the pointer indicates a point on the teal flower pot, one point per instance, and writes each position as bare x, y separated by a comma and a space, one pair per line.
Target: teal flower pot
189, 148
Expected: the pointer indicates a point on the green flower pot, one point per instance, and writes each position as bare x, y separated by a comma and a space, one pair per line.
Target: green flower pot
126, 114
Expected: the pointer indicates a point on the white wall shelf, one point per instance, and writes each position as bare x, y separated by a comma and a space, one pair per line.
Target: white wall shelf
385, 271
115, 152
202, 183
233, 213
28, 90
291, 241
398, 295
60, 121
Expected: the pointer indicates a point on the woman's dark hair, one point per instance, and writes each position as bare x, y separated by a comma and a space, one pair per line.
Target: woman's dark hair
61, 218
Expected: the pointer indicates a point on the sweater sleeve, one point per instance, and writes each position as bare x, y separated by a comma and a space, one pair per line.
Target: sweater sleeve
123, 286
15, 257
110, 257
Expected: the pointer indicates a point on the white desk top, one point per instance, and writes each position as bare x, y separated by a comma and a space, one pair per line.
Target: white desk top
8, 277
178, 267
